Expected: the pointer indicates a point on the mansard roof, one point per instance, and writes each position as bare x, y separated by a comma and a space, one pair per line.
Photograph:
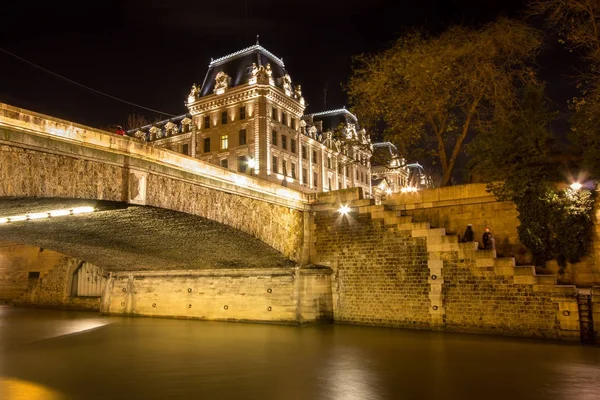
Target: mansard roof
238, 67
333, 118
160, 124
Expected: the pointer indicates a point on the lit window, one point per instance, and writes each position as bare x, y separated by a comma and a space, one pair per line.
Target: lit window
224, 142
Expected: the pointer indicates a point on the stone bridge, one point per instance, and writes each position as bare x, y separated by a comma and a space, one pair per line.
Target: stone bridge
51, 163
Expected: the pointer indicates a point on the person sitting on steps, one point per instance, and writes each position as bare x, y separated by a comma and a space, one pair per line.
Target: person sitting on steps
469, 234
488, 240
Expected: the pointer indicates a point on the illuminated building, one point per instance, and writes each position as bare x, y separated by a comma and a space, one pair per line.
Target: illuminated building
248, 116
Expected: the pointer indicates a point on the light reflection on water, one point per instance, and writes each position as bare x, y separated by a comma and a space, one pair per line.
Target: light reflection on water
143, 358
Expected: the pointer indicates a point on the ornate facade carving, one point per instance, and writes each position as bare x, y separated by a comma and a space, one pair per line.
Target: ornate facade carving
221, 82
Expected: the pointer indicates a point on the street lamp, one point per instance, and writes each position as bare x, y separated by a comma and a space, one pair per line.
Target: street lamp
344, 210
576, 186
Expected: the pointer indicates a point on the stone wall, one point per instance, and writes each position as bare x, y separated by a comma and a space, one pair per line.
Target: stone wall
300, 295
278, 226
479, 300
17, 261
392, 271
380, 272
452, 208
53, 290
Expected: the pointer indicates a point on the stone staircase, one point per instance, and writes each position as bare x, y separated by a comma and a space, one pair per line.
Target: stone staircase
439, 241
441, 246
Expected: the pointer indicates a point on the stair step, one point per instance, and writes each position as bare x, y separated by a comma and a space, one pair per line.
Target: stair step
468, 245
477, 254
442, 239
428, 232
525, 271
546, 279
409, 226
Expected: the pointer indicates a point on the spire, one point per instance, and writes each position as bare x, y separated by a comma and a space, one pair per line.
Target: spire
257, 40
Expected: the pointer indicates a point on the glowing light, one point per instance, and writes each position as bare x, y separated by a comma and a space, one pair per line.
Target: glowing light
38, 215
251, 163
388, 191
344, 210
47, 214
576, 186
280, 177
81, 210
409, 189
59, 213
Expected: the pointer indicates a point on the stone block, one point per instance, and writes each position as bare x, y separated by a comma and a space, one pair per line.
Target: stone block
428, 232
442, 239
443, 247
403, 226
525, 271
485, 262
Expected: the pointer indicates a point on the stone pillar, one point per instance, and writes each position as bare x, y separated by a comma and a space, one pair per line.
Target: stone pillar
194, 140
136, 193
262, 137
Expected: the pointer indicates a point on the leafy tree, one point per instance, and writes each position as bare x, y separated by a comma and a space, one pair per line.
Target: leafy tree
517, 158
578, 22
430, 92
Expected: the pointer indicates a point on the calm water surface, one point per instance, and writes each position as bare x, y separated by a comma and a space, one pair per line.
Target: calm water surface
50, 355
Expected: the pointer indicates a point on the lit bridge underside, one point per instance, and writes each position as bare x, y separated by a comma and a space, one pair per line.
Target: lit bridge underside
124, 237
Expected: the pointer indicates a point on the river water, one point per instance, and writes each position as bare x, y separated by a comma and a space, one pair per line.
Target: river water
51, 354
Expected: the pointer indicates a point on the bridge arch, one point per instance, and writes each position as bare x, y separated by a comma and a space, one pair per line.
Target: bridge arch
43, 157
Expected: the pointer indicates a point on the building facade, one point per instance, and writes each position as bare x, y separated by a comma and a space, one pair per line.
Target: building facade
390, 173
248, 116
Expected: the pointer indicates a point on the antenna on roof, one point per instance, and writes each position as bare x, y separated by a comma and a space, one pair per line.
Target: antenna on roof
246, 24
257, 39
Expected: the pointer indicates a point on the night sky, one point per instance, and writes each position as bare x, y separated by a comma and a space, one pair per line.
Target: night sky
150, 52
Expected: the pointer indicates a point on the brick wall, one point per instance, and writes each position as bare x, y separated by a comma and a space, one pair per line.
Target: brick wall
380, 272
477, 299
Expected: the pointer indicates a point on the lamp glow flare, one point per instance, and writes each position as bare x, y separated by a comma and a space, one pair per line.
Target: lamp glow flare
344, 210
47, 214
576, 186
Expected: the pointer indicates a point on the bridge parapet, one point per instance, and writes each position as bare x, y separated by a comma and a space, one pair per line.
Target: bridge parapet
17, 119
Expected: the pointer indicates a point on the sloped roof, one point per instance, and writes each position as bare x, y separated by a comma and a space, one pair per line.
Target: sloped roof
333, 118
238, 66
